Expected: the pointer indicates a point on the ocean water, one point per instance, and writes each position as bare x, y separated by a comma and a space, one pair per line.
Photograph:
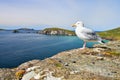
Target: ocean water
16, 48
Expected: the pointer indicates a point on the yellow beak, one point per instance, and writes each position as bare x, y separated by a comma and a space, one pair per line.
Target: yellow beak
73, 25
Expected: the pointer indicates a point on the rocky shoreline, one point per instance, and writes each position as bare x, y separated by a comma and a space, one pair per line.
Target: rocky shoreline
99, 63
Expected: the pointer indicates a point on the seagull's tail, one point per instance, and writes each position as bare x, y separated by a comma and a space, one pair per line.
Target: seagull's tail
101, 41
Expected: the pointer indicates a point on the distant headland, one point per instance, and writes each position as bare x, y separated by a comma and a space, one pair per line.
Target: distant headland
57, 31
113, 34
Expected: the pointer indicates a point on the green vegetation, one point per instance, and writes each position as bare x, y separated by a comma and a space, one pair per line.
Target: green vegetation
115, 53
113, 34
58, 65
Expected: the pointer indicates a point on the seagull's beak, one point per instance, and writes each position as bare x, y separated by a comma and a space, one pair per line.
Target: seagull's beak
73, 25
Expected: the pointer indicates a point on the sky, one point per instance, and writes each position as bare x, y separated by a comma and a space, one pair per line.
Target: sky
39, 14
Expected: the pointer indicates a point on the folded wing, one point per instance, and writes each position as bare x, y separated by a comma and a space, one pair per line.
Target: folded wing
90, 34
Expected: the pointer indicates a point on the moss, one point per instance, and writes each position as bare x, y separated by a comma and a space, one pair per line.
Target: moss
115, 53
112, 53
54, 62
58, 65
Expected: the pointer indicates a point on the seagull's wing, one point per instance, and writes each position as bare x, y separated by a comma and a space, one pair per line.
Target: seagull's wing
90, 34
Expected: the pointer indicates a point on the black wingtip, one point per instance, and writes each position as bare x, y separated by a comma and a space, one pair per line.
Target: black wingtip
103, 41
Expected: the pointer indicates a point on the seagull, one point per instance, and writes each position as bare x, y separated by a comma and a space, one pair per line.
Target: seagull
86, 34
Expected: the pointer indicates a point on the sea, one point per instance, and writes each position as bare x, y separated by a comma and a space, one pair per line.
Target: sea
17, 48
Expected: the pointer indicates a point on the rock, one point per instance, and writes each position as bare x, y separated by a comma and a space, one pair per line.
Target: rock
19, 74
29, 75
74, 72
110, 48
37, 76
66, 64
50, 77
28, 64
100, 58
73, 61
93, 62
32, 68
7, 74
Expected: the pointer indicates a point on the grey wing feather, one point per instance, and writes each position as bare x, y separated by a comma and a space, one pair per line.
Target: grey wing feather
90, 34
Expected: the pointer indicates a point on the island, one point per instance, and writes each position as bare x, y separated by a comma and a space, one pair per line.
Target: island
57, 31
25, 30
1, 29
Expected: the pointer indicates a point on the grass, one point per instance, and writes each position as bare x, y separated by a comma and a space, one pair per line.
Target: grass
113, 34
115, 53
112, 53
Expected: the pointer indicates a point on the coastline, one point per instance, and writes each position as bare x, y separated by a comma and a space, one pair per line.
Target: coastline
100, 63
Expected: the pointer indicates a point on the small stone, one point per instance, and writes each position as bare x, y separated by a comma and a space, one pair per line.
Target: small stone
73, 61
108, 73
93, 62
66, 64
100, 58
60, 61
113, 72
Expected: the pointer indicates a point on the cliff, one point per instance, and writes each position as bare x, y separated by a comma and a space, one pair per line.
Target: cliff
102, 62
57, 31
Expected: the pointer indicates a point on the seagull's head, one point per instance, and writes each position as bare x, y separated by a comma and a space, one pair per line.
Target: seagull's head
78, 24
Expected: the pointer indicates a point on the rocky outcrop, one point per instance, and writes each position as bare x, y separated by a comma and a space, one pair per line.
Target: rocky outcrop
7, 74
113, 47
99, 63
57, 31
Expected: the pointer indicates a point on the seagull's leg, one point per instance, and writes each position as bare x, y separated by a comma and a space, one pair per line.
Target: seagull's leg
84, 45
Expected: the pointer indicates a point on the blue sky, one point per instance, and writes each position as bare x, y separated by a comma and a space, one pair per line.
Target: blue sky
96, 14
